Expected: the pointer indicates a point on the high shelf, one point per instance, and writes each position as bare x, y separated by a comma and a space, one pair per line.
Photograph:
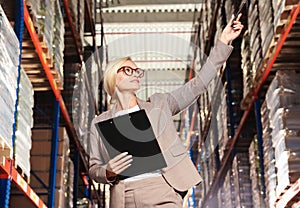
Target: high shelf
35, 44
248, 103
243, 115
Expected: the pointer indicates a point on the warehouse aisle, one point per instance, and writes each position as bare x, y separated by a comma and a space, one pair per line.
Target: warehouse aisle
242, 134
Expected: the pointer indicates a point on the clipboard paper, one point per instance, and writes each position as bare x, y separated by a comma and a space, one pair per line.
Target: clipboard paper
132, 133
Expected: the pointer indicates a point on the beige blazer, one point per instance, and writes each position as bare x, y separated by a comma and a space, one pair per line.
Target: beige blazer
180, 172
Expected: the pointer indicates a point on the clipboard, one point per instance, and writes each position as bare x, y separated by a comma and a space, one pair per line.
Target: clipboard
132, 133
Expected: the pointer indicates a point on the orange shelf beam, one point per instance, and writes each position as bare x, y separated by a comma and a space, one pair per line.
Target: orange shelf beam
227, 158
293, 16
39, 51
56, 91
7, 171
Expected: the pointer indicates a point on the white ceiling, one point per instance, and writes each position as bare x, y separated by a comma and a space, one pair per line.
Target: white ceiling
156, 34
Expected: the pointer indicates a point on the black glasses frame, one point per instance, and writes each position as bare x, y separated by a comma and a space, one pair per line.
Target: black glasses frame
129, 71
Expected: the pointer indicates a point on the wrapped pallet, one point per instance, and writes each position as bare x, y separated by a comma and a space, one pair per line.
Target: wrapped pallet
241, 180
269, 158
283, 103
24, 124
9, 61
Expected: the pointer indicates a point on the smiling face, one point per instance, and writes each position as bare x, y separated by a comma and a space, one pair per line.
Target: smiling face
128, 83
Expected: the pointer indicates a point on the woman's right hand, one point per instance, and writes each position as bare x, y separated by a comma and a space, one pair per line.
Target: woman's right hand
118, 164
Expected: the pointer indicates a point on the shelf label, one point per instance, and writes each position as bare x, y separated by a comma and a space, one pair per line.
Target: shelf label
44, 58
34, 197
22, 183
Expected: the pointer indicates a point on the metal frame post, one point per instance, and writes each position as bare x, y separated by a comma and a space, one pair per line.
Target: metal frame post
54, 149
76, 176
5, 183
260, 144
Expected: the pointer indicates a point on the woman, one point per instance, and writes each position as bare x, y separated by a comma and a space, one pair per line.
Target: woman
166, 187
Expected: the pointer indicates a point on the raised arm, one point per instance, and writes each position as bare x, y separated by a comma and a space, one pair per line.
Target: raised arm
182, 97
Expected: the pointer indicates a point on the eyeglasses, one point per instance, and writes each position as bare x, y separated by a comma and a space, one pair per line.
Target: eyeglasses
129, 71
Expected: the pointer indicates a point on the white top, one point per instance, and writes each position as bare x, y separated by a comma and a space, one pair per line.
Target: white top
144, 175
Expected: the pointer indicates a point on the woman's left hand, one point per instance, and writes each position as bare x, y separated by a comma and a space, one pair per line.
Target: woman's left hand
232, 30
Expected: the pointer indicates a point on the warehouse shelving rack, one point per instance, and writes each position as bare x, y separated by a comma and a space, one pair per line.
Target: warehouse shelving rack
253, 100
79, 152
7, 168
10, 173
266, 69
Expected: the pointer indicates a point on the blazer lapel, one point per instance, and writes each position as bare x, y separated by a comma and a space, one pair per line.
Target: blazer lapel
145, 105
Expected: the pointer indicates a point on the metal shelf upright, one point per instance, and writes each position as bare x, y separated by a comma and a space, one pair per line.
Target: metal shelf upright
18, 27
227, 159
79, 152
8, 172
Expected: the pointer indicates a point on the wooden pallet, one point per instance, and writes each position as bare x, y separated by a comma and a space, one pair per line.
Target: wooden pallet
293, 189
22, 173
282, 23
247, 99
5, 149
33, 67
284, 18
32, 16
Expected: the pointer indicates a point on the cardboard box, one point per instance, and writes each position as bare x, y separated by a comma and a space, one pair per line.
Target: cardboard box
60, 199
46, 134
44, 177
42, 163
40, 148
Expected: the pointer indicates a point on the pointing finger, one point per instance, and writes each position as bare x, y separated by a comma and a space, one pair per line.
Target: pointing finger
238, 17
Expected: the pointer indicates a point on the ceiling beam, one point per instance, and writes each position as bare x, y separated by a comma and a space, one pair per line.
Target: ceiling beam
148, 17
147, 2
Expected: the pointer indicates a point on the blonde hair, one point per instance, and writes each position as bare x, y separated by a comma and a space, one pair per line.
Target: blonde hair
109, 80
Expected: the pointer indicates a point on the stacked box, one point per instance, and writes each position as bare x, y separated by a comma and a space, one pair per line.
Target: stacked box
24, 124
246, 65
269, 158
222, 126
204, 170
70, 185
46, 22
78, 102
255, 175
266, 17
77, 14
255, 36
279, 6
40, 164
230, 192
9, 61
283, 102
221, 197
58, 40
34, 7
242, 182
81, 12
18, 199
82, 109
93, 75
47, 18
71, 76
219, 25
